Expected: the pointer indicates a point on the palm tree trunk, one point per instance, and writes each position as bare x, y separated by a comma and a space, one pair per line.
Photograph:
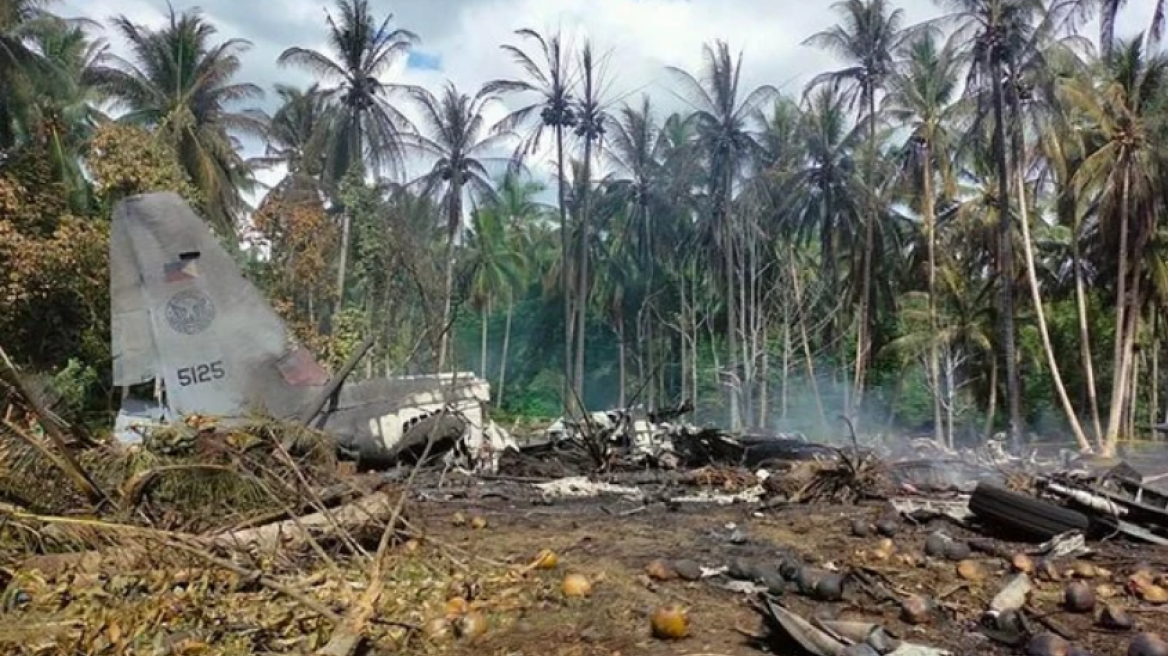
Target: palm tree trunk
654, 328
453, 221
731, 301
1039, 312
862, 332
624, 376
1154, 392
651, 357
582, 264
695, 345
929, 212
565, 390
950, 394
1006, 257
681, 332
763, 387
641, 347
683, 347
343, 263
483, 340
506, 347
746, 331
808, 359
786, 372
1133, 395
1085, 338
1121, 338
992, 406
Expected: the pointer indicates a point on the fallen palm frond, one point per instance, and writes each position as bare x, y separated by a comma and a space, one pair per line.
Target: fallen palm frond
351, 633
219, 475
91, 540
852, 475
849, 478
138, 485
55, 450
179, 597
726, 479
135, 546
24, 469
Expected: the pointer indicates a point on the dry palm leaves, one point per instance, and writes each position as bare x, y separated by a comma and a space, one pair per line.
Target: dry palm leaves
198, 479
168, 607
790, 478
25, 470
211, 477
851, 477
14, 390
724, 478
1018, 481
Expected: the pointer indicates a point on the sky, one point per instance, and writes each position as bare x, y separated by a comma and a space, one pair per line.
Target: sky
460, 38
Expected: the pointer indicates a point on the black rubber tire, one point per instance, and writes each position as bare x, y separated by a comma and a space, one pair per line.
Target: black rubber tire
1019, 513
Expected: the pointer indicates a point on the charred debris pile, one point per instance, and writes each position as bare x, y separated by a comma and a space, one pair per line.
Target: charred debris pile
240, 537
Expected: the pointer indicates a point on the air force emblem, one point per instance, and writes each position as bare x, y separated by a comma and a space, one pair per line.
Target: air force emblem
190, 312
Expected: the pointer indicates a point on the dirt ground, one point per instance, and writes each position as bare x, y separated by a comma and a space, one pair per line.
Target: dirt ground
613, 548
202, 610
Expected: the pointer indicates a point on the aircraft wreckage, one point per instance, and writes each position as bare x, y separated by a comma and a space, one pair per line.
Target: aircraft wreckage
192, 336
187, 322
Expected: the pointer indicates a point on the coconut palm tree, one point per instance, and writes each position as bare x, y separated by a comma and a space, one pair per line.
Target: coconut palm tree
455, 137
63, 114
724, 117
1108, 13
923, 95
868, 38
180, 82
621, 279
1064, 149
1124, 108
634, 147
515, 202
549, 83
591, 117
367, 127
20, 62
497, 269
823, 193
996, 33
654, 170
964, 328
297, 134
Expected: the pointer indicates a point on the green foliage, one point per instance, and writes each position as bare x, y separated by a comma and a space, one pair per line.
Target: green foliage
74, 387
179, 82
349, 327
54, 296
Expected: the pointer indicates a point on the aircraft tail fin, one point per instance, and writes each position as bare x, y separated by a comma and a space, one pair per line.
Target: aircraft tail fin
183, 312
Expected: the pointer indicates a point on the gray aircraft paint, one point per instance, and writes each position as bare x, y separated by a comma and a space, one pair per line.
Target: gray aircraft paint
218, 344
182, 309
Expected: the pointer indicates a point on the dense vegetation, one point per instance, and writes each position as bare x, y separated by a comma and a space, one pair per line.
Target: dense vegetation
957, 231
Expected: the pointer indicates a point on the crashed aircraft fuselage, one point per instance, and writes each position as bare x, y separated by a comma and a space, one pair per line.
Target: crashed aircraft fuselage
185, 318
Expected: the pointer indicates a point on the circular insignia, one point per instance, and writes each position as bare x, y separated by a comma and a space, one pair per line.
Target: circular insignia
190, 312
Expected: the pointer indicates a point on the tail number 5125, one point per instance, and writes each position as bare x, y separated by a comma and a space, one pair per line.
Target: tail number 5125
201, 373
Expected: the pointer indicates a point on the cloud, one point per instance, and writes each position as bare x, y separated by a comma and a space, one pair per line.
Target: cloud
461, 38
